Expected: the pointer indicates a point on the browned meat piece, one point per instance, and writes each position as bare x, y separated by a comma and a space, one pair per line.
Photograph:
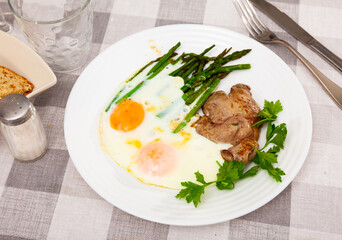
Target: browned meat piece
219, 107
242, 103
256, 132
242, 151
228, 119
216, 107
232, 131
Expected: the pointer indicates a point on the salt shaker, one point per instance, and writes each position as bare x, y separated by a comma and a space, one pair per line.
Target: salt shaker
22, 128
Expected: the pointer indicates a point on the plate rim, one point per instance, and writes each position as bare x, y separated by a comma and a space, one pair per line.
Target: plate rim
186, 223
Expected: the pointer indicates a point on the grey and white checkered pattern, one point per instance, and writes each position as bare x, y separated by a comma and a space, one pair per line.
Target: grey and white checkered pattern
48, 199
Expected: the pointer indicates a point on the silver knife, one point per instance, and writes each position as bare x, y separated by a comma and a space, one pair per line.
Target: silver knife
295, 30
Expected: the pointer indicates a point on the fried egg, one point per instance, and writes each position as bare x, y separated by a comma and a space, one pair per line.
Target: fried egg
137, 134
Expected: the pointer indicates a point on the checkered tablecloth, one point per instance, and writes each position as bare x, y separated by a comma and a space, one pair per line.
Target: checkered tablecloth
48, 199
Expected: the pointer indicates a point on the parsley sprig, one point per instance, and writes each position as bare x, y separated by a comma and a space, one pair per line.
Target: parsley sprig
275, 134
231, 172
269, 112
228, 174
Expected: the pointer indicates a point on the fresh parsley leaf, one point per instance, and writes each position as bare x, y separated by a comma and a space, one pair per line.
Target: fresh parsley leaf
264, 157
230, 170
228, 173
200, 178
269, 131
276, 173
250, 173
279, 135
274, 149
269, 112
192, 192
225, 184
265, 160
276, 135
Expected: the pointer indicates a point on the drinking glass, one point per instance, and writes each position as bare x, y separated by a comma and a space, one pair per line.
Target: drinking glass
4, 25
60, 31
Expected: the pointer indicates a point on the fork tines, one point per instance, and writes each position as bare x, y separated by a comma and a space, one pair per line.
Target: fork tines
249, 17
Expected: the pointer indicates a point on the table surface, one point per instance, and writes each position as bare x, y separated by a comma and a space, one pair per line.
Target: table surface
48, 199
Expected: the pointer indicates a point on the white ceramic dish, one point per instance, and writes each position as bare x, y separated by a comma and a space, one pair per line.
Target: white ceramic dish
270, 78
20, 58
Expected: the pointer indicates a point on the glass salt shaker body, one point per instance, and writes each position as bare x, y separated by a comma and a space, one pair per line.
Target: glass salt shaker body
22, 128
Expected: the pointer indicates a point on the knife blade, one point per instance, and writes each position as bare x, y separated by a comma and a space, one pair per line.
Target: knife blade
298, 32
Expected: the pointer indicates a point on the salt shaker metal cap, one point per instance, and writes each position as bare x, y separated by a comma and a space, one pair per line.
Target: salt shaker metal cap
14, 109
22, 128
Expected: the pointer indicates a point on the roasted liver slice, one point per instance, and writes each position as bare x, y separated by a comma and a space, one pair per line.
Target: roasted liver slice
232, 131
242, 151
229, 119
220, 106
217, 107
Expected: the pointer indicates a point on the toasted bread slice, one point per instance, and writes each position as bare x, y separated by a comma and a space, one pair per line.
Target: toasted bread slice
11, 82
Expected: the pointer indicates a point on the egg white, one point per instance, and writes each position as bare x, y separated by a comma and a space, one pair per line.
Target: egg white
195, 153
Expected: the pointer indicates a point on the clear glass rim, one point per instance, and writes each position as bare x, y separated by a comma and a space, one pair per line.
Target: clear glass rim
79, 11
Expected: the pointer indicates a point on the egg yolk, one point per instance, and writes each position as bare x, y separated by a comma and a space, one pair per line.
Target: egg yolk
127, 116
157, 159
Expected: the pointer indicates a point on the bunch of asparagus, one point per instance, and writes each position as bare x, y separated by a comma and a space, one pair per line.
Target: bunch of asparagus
199, 81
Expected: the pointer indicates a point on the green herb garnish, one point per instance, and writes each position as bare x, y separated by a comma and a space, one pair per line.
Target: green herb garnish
275, 134
228, 174
231, 172
269, 112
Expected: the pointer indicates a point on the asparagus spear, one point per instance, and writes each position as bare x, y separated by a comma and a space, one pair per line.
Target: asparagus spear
143, 68
198, 92
217, 63
163, 62
175, 73
116, 97
200, 75
130, 79
177, 60
221, 61
130, 93
200, 67
228, 69
161, 68
197, 106
188, 93
191, 95
137, 87
164, 59
194, 82
200, 57
189, 71
235, 55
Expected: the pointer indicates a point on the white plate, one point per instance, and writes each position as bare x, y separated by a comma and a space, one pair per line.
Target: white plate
270, 78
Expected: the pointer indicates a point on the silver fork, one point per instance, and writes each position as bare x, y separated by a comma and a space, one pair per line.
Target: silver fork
261, 33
